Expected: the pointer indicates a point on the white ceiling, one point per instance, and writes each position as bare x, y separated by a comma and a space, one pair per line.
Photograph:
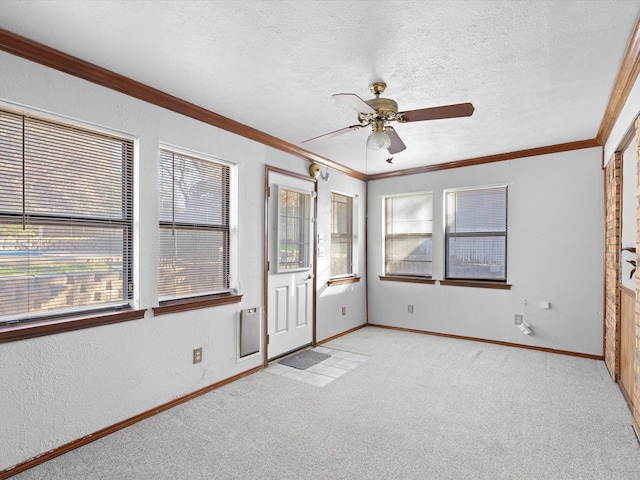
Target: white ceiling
538, 72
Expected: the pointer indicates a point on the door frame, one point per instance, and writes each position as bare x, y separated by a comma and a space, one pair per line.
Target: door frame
267, 238
620, 290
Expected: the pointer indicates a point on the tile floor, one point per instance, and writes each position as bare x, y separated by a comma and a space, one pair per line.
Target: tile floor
325, 372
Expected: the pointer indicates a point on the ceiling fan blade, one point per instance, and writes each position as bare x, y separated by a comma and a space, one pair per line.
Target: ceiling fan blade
333, 134
397, 145
352, 100
436, 113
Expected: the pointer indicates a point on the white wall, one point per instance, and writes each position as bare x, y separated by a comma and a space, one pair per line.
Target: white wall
554, 254
352, 296
59, 388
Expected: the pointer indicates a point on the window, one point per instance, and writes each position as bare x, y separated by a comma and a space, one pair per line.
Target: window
341, 235
65, 219
195, 228
408, 228
476, 233
294, 226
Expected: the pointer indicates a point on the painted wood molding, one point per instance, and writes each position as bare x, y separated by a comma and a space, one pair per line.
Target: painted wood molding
44, 55
627, 76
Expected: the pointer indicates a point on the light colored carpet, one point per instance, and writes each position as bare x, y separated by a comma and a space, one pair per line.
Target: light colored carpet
422, 407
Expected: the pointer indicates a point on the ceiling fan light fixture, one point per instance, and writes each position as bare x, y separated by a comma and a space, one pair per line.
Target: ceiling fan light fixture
378, 139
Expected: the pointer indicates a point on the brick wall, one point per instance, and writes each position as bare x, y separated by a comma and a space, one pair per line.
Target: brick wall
635, 394
613, 187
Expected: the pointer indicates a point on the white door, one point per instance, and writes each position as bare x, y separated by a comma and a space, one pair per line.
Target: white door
290, 278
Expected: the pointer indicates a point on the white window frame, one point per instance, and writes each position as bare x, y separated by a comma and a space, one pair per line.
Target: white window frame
487, 234
385, 235
351, 229
130, 288
232, 256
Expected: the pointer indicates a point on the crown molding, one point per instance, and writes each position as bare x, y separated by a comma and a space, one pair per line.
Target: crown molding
44, 55
501, 157
627, 76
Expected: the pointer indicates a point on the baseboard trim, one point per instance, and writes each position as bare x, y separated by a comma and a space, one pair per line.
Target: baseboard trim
56, 452
342, 334
625, 394
636, 430
495, 342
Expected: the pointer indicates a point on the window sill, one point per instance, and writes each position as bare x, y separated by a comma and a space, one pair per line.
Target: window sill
477, 284
185, 304
51, 326
406, 279
343, 280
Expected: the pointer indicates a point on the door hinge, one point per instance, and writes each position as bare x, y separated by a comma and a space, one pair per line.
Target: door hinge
267, 339
268, 266
268, 191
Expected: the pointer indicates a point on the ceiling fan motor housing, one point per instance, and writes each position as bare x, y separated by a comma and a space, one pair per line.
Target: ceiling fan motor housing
386, 109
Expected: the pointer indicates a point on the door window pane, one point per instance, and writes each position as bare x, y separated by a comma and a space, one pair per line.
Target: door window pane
294, 222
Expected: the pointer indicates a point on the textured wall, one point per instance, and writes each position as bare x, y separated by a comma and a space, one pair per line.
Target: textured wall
59, 388
331, 299
554, 254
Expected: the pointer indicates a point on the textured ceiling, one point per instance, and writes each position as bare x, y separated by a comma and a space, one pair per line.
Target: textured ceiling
538, 72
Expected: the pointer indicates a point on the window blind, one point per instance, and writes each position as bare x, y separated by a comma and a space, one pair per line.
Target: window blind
408, 230
476, 233
65, 217
194, 226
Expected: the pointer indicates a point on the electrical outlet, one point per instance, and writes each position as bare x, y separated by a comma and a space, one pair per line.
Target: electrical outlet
197, 355
344, 311
410, 309
518, 320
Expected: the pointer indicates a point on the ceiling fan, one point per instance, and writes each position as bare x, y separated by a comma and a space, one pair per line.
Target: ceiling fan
379, 112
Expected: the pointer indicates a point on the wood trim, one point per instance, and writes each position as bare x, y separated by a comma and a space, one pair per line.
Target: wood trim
301, 176
501, 157
265, 268
314, 253
626, 376
476, 283
636, 429
400, 278
351, 330
56, 452
495, 342
44, 55
625, 394
627, 138
271, 169
627, 290
627, 76
604, 263
50, 57
185, 304
342, 281
61, 324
